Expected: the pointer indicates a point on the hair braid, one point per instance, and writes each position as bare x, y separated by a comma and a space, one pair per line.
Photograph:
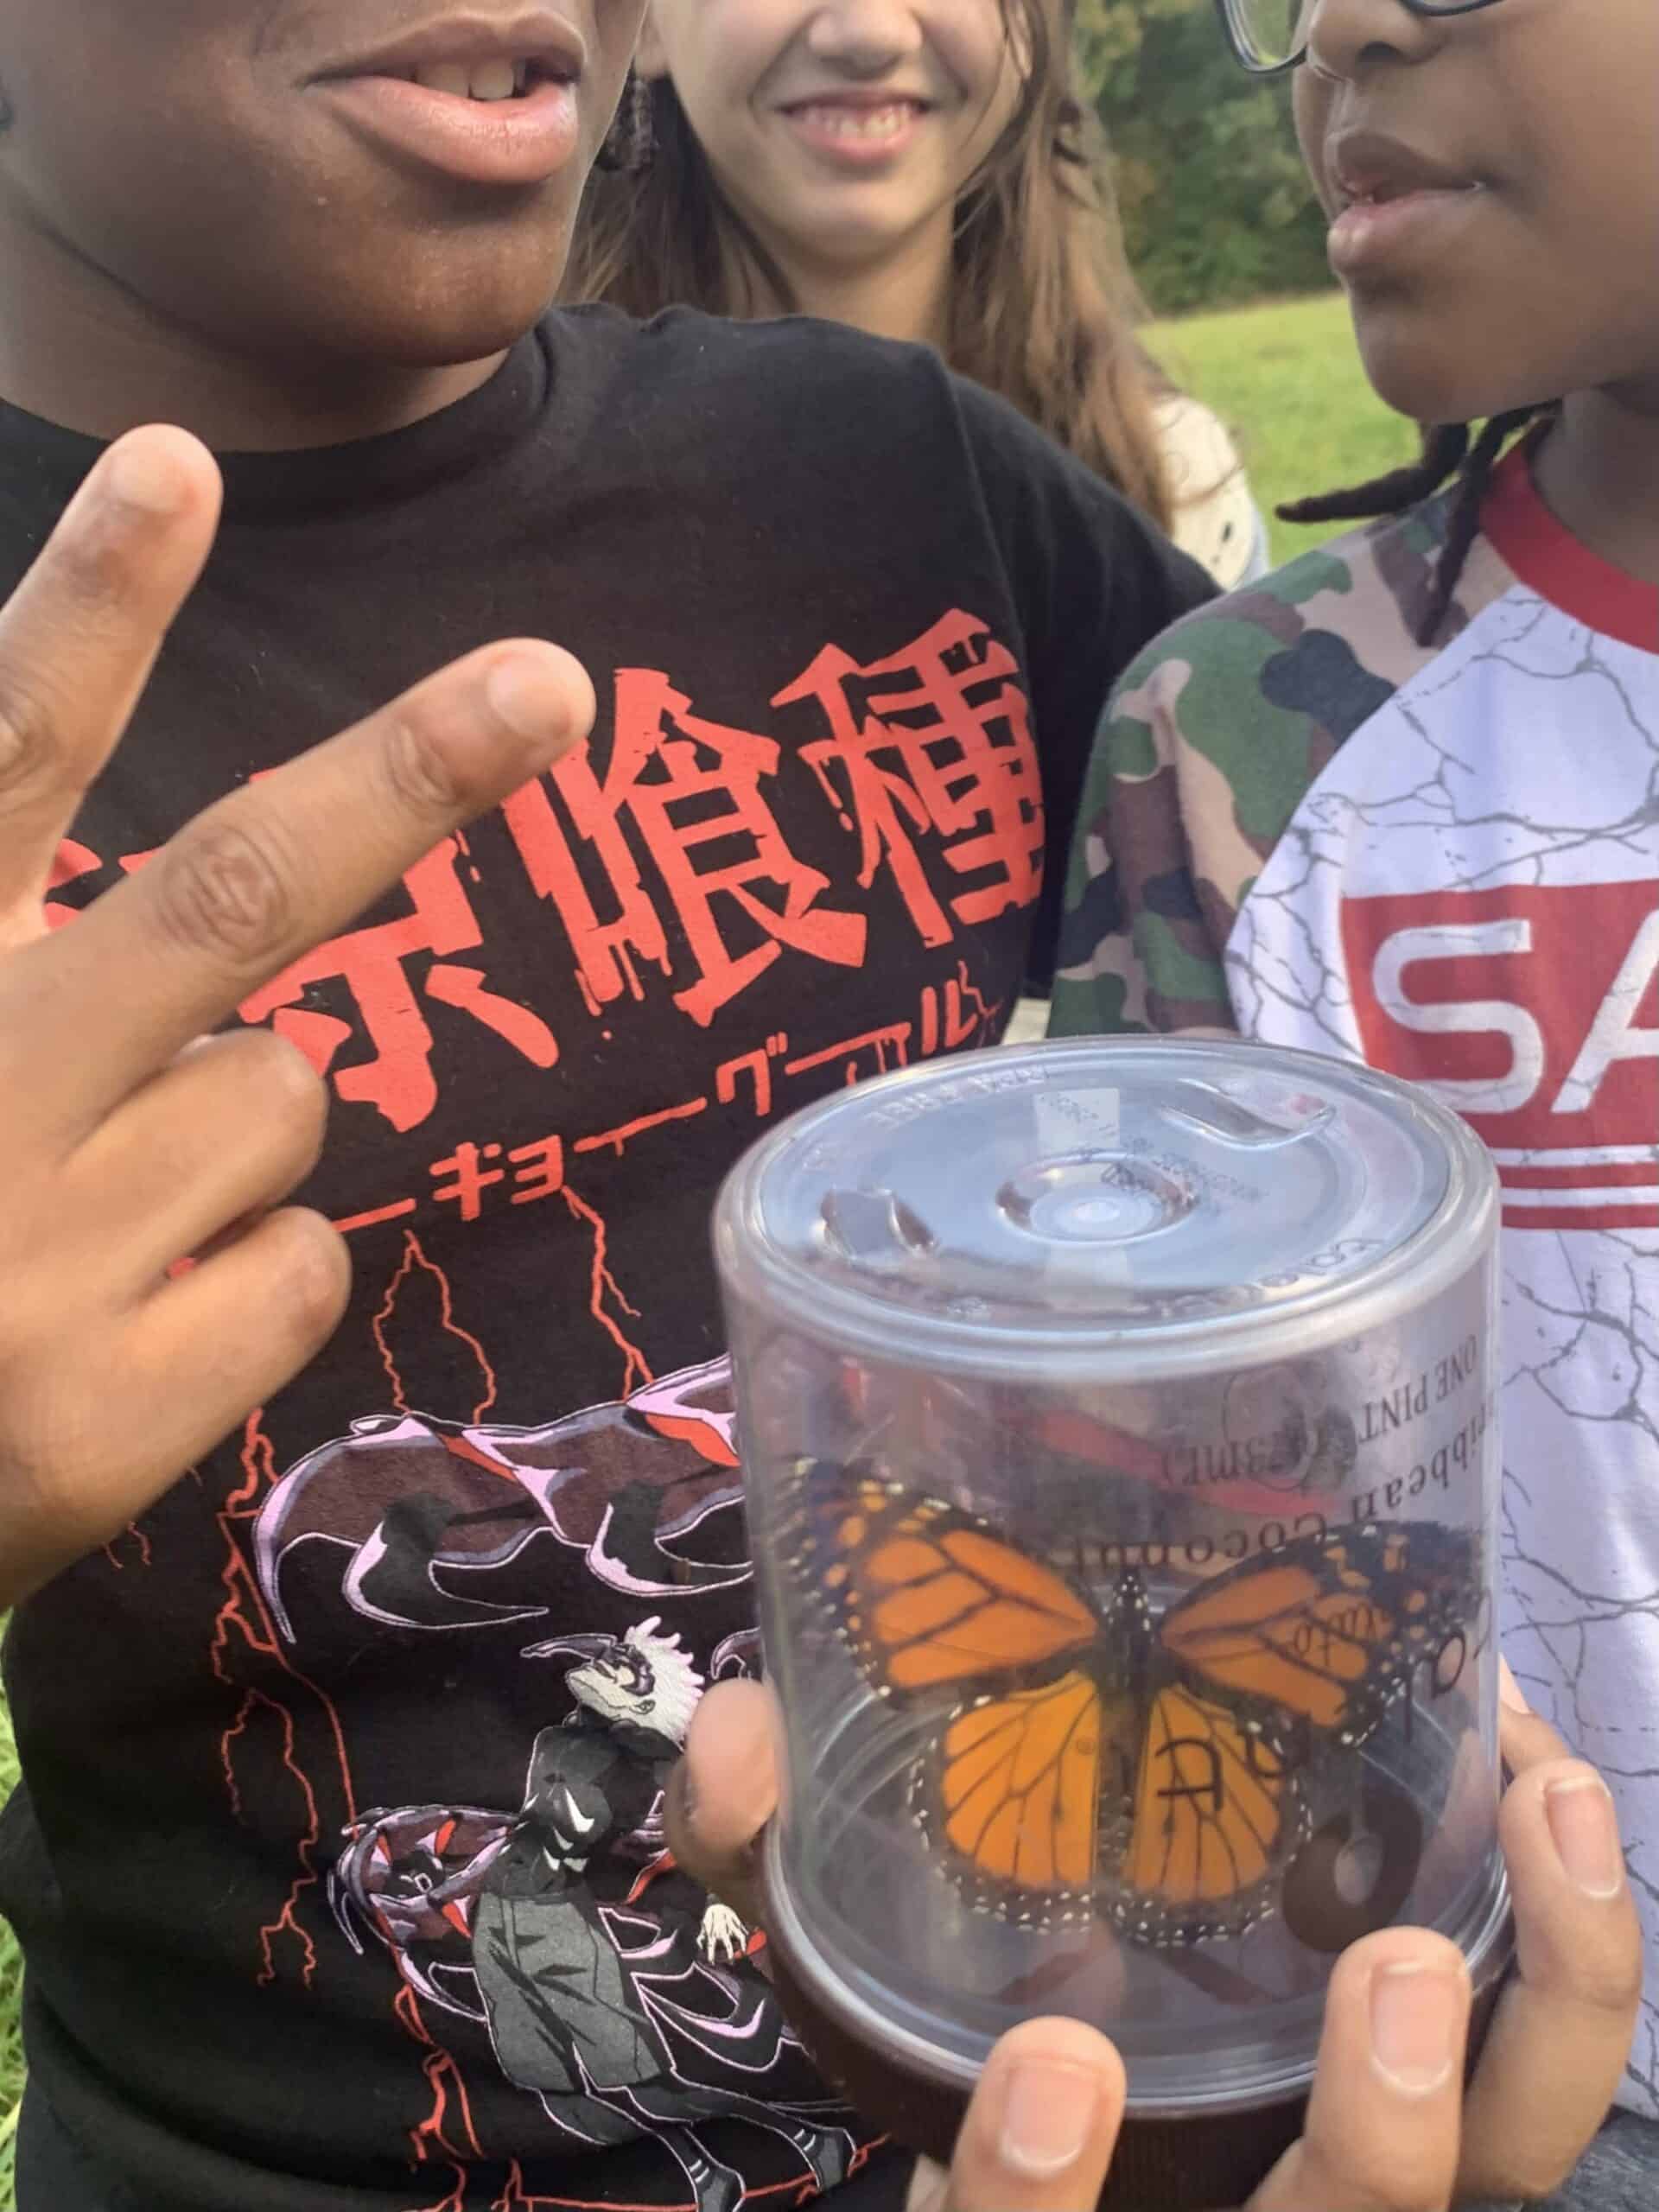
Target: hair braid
1444, 450
1447, 453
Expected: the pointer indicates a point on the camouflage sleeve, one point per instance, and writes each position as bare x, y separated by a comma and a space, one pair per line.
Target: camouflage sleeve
1136, 953
1205, 753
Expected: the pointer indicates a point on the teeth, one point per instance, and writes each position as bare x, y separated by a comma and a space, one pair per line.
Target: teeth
868, 123
452, 77
495, 79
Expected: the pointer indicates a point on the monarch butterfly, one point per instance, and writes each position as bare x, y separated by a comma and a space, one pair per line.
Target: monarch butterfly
1100, 1759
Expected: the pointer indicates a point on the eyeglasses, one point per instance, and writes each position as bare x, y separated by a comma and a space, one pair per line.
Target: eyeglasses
1270, 36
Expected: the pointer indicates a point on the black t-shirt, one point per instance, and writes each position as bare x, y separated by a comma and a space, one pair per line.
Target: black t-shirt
339, 1860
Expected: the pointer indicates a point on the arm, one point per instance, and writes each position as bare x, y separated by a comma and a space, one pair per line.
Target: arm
1144, 930
1095, 582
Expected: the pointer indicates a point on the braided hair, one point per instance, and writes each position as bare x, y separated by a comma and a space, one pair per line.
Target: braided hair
1449, 453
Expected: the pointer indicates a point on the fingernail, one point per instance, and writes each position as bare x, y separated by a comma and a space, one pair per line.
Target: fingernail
1414, 2014
531, 698
140, 476
1582, 1821
1048, 2113
1509, 1690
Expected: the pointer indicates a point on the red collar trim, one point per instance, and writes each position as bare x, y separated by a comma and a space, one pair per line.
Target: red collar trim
1547, 558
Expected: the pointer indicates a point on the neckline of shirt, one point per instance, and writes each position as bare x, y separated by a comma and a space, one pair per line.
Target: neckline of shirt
321, 482
1544, 556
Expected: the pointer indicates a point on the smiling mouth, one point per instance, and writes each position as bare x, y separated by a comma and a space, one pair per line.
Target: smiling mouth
859, 124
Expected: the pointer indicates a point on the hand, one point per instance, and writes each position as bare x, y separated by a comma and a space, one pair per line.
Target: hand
1389, 2127
130, 1139
722, 1937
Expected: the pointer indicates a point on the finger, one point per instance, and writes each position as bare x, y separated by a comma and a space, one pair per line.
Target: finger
279, 866
1042, 2126
1561, 2032
1382, 2120
79, 637
1525, 1737
723, 1792
266, 1304
220, 1136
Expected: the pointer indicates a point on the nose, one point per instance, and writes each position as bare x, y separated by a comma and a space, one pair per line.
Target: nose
1346, 37
864, 37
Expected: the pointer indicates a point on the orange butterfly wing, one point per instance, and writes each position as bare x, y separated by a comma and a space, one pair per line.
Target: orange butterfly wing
1017, 1793
1214, 1816
929, 1596
1328, 1630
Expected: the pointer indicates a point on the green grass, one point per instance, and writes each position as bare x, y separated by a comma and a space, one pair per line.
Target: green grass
1286, 379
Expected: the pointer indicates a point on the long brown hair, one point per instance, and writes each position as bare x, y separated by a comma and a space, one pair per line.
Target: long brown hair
1043, 306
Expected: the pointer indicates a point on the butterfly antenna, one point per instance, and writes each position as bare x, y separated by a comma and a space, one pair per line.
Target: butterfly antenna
864, 1454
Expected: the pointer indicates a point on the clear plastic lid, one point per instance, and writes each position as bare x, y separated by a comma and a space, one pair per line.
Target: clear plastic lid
1118, 1205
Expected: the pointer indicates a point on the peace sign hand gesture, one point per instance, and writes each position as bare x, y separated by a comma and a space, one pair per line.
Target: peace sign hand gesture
131, 1139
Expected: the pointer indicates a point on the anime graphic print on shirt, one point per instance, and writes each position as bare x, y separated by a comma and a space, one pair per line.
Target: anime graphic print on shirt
559, 1924
1445, 862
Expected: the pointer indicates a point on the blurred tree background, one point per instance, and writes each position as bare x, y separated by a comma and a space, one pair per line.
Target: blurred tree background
1216, 211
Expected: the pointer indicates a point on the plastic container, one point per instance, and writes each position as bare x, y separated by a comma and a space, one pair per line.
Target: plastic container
1117, 1421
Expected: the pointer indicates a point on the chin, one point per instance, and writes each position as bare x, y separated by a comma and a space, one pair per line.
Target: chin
1430, 371
438, 319
447, 341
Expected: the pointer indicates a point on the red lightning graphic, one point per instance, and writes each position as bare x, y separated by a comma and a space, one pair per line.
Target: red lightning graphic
138, 1538
454, 2200
414, 1257
515, 2198
971, 990
430, 2139
243, 1623
637, 1373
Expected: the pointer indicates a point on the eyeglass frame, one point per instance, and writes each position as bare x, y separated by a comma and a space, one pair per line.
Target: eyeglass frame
1430, 10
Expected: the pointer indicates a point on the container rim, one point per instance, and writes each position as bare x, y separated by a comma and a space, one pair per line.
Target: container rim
1439, 1252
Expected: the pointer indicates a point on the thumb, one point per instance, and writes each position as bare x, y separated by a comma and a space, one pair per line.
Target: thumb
724, 1791
1040, 2130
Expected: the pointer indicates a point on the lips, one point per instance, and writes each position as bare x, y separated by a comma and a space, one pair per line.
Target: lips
1394, 200
1368, 168
542, 45
484, 101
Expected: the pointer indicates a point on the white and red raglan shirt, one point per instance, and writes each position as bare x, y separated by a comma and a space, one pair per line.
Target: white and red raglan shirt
1303, 825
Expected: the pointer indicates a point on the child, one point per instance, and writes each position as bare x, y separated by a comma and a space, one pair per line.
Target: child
1399, 801
924, 172
339, 1860
339, 1856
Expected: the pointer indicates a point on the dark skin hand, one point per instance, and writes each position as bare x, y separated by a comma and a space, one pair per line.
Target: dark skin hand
1390, 2126
133, 1139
